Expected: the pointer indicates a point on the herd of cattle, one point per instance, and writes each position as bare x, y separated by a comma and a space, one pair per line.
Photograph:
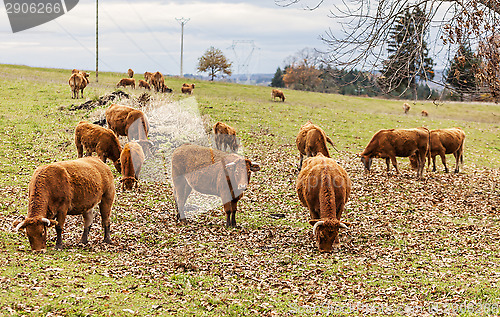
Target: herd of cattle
79, 80
323, 186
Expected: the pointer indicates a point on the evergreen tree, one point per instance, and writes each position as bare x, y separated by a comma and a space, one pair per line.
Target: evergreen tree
278, 79
408, 54
461, 73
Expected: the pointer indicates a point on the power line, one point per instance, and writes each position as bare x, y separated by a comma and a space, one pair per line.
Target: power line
153, 35
133, 42
182, 21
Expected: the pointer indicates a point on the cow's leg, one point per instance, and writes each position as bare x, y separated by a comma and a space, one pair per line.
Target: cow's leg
61, 218
457, 161
87, 223
79, 147
105, 210
82, 93
421, 155
233, 213
443, 159
300, 162
434, 169
387, 161
230, 209
395, 163
181, 193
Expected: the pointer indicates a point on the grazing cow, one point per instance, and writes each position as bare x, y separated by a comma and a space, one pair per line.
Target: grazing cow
144, 84
77, 82
424, 113
323, 186
130, 73
124, 82
129, 122
131, 158
393, 143
276, 93
94, 138
225, 137
148, 76
67, 188
187, 88
166, 89
444, 141
158, 81
210, 172
406, 107
311, 140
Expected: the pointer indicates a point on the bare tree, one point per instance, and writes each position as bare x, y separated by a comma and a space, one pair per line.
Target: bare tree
366, 25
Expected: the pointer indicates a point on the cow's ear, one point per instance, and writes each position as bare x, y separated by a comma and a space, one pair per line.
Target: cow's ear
313, 221
253, 166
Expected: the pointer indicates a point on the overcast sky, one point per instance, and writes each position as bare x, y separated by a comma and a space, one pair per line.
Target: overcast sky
145, 36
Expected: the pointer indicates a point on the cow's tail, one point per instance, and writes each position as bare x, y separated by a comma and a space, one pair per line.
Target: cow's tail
331, 142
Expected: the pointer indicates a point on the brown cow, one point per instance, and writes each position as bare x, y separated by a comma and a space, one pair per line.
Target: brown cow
131, 158
67, 188
406, 107
124, 82
144, 84
393, 143
444, 141
187, 88
225, 137
130, 73
277, 93
210, 172
158, 81
129, 122
323, 187
311, 140
148, 76
77, 82
95, 138
424, 113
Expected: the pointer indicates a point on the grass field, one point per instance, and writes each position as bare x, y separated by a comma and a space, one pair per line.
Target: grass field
415, 247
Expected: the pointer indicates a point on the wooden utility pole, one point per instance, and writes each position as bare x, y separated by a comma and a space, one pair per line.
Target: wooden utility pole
96, 41
182, 21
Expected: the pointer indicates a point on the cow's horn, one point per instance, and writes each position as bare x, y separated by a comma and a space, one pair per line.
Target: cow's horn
230, 164
19, 226
46, 221
316, 225
342, 225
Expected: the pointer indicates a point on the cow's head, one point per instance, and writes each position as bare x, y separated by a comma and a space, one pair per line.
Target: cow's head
36, 230
118, 165
326, 233
367, 161
128, 182
239, 172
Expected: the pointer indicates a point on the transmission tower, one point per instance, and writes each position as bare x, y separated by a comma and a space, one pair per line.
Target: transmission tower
243, 51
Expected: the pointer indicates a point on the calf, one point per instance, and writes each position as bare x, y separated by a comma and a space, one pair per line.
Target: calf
130, 73
129, 122
424, 113
225, 137
323, 187
77, 82
67, 188
124, 82
95, 138
187, 88
210, 172
391, 143
406, 108
144, 84
276, 93
444, 141
131, 158
310, 141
